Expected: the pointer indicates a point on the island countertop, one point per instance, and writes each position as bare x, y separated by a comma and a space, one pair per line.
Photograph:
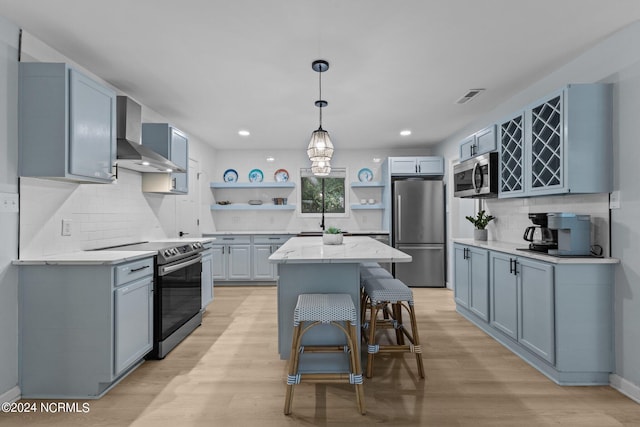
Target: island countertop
354, 249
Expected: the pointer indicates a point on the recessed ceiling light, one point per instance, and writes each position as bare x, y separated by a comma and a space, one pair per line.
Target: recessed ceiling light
244, 132
376, 160
271, 159
405, 132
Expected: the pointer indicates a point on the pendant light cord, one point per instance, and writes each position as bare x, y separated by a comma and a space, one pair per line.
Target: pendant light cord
320, 91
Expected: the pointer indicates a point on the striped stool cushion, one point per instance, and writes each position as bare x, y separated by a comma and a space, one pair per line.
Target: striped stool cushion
324, 308
391, 290
373, 272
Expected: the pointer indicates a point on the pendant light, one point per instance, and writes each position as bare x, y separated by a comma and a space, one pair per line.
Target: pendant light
320, 148
321, 168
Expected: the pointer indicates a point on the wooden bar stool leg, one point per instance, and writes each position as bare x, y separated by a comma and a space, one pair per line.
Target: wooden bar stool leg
372, 347
294, 358
397, 316
416, 340
356, 369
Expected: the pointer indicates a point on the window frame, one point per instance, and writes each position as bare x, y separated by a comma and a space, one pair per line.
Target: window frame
335, 173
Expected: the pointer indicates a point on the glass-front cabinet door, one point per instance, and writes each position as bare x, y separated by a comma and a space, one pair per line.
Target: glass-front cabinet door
511, 151
545, 162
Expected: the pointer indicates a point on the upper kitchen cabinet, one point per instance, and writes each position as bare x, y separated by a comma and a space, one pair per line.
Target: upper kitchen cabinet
418, 166
67, 124
483, 141
171, 143
560, 144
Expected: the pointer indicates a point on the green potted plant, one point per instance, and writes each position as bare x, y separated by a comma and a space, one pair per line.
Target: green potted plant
332, 236
480, 221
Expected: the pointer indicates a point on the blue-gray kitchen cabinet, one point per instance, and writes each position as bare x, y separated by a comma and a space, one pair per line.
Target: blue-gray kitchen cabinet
67, 127
207, 275
472, 279
425, 165
172, 144
263, 247
522, 295
83, 327
481, 142
565, 141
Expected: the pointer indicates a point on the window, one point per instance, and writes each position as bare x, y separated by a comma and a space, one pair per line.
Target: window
318, 192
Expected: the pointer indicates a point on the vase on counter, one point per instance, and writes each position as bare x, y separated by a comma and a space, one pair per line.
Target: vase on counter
332, 239
480, 234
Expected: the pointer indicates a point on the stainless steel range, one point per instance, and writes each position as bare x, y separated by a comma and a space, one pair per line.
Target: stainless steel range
177, 291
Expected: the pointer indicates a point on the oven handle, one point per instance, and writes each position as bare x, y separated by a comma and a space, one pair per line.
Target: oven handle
164, 270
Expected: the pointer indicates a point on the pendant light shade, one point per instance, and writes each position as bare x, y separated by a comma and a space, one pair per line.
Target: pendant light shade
320, 149
321, 168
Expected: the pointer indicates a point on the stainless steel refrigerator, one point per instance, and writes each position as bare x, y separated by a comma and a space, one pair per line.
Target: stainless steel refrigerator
419, 230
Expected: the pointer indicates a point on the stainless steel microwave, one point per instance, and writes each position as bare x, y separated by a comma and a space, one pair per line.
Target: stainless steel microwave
476, 177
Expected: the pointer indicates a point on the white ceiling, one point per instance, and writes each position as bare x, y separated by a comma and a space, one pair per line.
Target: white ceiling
214, 67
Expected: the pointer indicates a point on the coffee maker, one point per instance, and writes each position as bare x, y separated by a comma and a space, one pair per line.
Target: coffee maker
541, 237
573, 231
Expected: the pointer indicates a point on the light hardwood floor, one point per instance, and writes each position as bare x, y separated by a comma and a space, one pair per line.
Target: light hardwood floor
228, 373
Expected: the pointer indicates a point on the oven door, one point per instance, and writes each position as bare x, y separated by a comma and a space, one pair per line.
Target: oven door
178, 295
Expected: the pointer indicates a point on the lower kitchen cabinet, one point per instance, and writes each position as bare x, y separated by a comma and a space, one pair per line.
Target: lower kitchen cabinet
472, 279
83, 327
557, 316
522, 292
207, 275
245, 257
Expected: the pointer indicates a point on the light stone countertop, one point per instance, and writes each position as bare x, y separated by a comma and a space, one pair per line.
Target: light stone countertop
310, 250
286, 232
511, 248
86, 258
102, 257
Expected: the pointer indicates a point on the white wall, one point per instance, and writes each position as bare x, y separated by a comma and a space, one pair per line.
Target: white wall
244, 161
615, 60
8, 221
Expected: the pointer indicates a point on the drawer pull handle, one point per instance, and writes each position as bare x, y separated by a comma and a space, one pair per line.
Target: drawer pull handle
134, 270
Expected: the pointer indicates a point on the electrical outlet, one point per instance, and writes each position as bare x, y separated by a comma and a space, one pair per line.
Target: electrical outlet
9, 202
66, 227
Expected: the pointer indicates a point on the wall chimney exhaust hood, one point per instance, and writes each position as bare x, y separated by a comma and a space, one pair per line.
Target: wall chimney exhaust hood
131, 153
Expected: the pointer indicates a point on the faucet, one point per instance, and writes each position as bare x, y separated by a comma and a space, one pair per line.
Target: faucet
182, 233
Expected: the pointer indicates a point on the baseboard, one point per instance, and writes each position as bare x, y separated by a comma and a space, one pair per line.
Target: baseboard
10, 395
629, 389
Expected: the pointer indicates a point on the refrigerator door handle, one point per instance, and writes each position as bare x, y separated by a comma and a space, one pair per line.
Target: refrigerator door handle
399, 217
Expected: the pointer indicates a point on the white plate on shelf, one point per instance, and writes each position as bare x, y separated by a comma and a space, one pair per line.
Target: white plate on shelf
365, 175
256, 175
281, 175
230, 175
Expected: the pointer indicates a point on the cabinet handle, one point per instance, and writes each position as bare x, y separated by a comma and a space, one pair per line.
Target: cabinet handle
173, 183
223, 250
133, 270
510, 265
515, 267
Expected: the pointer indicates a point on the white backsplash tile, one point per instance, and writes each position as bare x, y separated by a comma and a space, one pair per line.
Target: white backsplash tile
100, 214
512, 215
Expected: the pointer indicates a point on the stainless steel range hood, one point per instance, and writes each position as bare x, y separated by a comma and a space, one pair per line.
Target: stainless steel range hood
131, 153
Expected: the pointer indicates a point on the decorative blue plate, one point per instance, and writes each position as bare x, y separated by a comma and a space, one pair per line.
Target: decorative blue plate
256, 175
281, 175
230, 175
365, 175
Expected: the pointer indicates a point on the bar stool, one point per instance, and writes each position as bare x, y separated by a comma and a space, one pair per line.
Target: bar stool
379, 293
334, 309
370, 271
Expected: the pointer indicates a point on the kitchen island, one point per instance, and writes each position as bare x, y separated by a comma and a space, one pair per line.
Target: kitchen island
305, 265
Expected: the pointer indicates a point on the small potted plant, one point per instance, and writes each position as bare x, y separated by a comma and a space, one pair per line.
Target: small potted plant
332, 236
480, 222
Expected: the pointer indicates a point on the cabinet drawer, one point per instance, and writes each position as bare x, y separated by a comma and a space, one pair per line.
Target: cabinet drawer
271, 240
125, 273
232, 240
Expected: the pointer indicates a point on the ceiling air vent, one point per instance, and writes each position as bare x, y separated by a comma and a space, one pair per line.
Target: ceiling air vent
471, 93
